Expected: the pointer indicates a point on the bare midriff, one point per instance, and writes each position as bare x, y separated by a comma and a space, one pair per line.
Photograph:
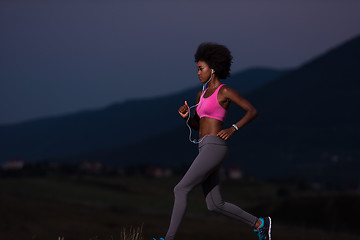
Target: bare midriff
209, 126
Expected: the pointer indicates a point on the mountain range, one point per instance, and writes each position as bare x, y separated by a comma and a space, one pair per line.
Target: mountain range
308, 126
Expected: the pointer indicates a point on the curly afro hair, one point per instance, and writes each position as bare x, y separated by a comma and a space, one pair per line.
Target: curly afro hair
217, 56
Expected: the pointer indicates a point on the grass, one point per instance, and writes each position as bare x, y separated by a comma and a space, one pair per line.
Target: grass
133, 233
99, 208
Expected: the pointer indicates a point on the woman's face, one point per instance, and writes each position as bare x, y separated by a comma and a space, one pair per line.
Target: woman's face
204, 71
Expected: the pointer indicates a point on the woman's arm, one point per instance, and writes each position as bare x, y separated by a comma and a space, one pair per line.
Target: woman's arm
184, 113
251, 112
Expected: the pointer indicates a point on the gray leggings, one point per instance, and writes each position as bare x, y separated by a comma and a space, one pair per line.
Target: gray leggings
205, 170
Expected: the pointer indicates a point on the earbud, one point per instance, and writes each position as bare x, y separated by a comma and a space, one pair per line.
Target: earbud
212, 71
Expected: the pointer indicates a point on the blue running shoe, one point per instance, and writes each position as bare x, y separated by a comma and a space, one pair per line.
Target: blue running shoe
159, 239
264, 231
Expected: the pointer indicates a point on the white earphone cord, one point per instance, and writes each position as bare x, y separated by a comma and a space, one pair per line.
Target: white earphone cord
203, 89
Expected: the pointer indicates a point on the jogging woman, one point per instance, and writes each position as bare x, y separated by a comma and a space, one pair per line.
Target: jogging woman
213, 63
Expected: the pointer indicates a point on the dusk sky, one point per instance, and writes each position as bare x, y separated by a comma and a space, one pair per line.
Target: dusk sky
60, 57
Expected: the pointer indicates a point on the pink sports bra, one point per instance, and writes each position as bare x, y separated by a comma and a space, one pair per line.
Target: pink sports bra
210, 107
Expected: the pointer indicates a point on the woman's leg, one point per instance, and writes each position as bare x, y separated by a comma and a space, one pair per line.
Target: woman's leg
208, 160
215, 202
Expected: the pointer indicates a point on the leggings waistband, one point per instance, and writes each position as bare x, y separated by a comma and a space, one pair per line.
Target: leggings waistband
211, 139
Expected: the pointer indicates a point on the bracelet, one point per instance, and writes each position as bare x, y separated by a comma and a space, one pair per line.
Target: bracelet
236, 127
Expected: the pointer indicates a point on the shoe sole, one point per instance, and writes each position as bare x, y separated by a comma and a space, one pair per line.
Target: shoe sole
269, 232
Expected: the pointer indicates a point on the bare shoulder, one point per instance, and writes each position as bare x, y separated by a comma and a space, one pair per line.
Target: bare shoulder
232, 95
228, 92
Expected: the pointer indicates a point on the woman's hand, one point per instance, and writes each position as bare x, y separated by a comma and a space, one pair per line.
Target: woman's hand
226, 133
184, 110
